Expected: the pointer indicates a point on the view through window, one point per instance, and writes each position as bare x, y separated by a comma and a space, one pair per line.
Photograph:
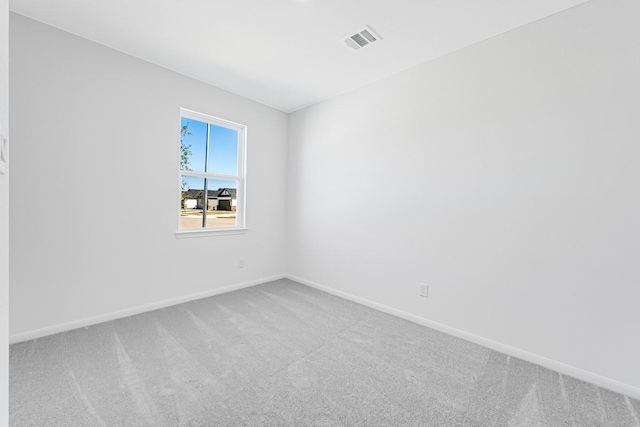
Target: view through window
211, 172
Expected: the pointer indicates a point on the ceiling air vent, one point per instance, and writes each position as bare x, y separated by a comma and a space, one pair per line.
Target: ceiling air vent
362, 38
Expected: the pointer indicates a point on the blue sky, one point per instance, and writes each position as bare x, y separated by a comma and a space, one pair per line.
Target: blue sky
223, 153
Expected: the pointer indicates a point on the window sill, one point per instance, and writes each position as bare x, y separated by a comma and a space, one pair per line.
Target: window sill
187, 234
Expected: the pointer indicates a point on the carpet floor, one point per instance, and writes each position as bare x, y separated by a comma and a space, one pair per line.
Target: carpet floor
283, 354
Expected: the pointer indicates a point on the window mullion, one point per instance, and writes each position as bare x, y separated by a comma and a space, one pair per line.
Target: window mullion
205, 200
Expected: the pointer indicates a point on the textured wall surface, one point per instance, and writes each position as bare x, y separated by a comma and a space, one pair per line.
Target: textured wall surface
94, 199
504, 175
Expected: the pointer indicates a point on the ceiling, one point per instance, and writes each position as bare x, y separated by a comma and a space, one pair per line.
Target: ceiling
287, 53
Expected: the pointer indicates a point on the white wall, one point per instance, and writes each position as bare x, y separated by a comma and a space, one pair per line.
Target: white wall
4, 215
96, 125
511, 176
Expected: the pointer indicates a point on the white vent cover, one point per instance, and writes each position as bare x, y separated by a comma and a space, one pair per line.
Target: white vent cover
362, 38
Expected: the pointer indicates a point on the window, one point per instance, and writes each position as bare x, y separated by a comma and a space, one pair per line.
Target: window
212, 174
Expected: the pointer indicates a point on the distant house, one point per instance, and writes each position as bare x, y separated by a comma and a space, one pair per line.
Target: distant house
222, 199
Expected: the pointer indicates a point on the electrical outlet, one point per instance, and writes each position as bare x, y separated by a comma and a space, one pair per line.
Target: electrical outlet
241, 263
423, 290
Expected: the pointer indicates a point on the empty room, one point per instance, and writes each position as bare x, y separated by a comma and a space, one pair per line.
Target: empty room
320, 212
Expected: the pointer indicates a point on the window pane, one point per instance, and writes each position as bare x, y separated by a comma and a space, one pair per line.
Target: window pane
192, 193
213, 149
193, 143
222, 203
223, 150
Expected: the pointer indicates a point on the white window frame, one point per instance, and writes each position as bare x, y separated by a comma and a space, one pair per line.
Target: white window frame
241, 202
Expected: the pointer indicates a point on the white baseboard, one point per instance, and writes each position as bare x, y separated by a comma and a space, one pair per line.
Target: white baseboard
572, 371
62, 327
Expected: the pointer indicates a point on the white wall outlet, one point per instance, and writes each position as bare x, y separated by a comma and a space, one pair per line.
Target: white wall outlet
423, 290
241, 263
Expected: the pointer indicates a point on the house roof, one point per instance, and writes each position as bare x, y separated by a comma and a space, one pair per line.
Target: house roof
211, 194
